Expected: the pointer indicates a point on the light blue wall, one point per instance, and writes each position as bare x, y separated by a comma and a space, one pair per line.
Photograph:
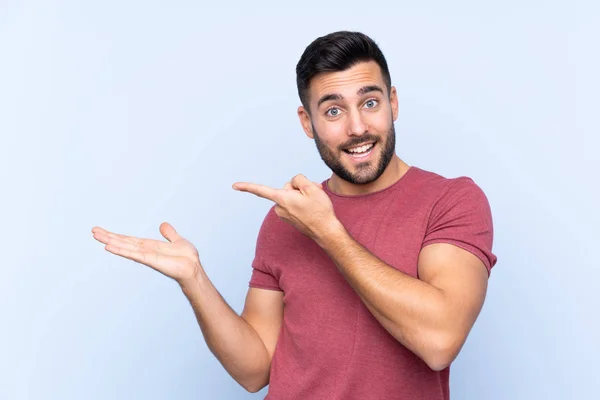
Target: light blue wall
128, 114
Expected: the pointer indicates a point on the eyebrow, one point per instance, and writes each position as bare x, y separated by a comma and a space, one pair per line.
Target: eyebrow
360, 92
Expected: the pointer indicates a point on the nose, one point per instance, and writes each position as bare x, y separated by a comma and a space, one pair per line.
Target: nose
357, 126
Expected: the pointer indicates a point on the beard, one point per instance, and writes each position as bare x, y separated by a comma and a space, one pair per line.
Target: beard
366, 172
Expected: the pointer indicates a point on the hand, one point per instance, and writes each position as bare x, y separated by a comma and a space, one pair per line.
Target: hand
177, 259
302, 203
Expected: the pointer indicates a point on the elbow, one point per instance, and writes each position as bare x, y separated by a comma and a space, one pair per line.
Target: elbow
442, 352
439, 363
255, 384
253, 388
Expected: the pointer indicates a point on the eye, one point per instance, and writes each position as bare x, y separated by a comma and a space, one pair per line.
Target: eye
371, 103
333, 112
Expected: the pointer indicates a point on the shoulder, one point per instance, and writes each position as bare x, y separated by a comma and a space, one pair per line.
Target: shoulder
275, 231
440, 187
439, 198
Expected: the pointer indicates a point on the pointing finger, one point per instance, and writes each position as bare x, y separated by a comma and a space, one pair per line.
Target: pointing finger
259, 190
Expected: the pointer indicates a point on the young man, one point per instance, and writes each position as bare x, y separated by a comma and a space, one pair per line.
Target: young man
364, 286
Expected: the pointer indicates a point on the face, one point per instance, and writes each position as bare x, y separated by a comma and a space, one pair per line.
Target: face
352, 122
364, 167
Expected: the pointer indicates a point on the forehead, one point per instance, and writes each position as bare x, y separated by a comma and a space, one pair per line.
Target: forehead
346, 82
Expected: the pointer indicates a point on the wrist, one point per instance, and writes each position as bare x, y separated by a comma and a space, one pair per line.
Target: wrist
194, 281
330, 233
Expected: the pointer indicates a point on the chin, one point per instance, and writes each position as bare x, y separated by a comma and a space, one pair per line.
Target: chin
365, 179
367, 174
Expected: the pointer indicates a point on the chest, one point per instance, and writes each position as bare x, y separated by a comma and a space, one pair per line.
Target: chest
394, 234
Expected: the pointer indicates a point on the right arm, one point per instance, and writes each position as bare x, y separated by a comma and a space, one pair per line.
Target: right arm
244, 344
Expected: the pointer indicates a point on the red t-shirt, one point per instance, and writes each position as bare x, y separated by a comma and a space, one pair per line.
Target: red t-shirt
330, 346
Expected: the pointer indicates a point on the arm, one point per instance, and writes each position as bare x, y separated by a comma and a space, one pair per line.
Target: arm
431, 316
244, 344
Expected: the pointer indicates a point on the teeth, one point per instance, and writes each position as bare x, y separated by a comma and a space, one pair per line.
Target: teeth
361, 149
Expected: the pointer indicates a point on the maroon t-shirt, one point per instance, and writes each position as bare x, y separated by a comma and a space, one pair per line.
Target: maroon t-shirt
330, 346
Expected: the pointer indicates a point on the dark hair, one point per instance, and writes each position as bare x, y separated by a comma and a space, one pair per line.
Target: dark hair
335, 52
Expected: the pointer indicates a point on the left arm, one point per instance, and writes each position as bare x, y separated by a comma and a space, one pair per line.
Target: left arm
430, 315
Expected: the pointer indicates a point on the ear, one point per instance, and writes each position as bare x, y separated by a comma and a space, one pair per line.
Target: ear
394, 102
305, 121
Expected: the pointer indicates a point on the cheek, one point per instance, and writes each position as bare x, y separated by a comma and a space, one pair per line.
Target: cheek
332, 134
379, 123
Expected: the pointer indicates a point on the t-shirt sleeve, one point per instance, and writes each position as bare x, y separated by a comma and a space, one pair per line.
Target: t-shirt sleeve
462, 217
261, 279
262, 275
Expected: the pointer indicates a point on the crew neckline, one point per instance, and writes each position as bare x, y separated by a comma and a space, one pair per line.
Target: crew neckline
371, 194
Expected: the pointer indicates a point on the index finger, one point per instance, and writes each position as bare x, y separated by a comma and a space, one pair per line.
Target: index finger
101, 231
263, 191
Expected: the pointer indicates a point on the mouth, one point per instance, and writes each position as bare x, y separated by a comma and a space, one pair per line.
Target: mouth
362, 152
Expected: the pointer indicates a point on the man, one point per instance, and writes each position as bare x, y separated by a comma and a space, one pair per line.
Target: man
364, 286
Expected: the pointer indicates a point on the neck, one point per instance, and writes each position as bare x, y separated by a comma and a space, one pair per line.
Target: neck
393, 172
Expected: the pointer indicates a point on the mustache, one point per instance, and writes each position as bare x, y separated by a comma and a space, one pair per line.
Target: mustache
366, 138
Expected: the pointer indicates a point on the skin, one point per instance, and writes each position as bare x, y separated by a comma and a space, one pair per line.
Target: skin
359, 118
431, 315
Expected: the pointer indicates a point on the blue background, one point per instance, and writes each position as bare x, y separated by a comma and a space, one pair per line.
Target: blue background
128, 114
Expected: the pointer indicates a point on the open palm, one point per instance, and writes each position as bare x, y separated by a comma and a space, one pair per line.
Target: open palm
177, 258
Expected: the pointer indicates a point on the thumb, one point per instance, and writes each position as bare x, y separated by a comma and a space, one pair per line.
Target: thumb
169, 232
